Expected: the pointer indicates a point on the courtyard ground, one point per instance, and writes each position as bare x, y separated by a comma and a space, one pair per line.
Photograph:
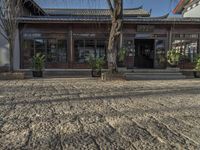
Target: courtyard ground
88, 114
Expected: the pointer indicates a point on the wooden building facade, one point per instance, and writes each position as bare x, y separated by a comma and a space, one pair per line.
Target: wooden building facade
68, 37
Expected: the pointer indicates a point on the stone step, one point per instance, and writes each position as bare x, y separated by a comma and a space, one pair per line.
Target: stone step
168, 70
156, 73
154, 76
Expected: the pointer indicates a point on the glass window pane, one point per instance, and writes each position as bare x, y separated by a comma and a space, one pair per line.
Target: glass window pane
188, 48
56, 51
160, 54
40, 46
101, 49
89, 48
62, 51
51, 51
28, 53
79, 51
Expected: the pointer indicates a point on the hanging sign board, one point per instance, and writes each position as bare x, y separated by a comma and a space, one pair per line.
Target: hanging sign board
143, 35
145, 28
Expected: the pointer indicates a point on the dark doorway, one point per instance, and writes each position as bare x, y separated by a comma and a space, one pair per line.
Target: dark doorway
144, 53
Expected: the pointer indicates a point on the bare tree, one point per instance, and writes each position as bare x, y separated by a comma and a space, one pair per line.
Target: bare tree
10, 10
116, 11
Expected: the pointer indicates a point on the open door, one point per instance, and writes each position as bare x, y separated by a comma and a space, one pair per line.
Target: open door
144, 53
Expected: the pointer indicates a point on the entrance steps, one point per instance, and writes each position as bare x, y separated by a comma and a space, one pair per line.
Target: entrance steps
154, 74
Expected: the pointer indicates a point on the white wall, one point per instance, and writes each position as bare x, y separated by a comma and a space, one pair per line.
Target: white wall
194, 12
4, 54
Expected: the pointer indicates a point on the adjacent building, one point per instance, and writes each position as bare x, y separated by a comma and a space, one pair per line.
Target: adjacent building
68, 36
188, 8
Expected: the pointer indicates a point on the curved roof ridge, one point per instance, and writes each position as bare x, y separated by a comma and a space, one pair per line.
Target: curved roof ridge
158, 17
99, 12
136, 8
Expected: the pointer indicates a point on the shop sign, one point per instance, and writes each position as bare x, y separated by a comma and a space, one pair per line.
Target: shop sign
143, 35
145, 28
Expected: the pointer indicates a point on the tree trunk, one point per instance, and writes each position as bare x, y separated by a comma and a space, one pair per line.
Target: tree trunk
11, 48
114, 35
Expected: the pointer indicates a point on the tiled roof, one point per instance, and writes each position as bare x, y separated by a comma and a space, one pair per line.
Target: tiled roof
194, 3
96, 12
107, 19
34, 7
180, 6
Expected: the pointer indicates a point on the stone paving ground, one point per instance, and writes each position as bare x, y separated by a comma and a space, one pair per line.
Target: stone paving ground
87, 114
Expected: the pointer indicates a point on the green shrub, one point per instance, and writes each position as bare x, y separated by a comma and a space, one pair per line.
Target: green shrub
96, 63
38, 62
122, 54
173, 57
197, 67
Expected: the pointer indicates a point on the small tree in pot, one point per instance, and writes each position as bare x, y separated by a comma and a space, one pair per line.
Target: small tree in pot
38, 65
197, 68
173, 58
121, 57
96, 64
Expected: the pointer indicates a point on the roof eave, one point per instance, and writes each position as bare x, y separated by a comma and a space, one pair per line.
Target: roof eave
128, 21
36, 6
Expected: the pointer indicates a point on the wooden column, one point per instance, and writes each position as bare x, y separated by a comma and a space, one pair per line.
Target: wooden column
170, 39
121, 39
71, 58
121, 34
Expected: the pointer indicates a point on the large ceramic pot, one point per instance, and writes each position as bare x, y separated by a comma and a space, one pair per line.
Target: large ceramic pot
172, 65
196, 74
37, 74
96, 73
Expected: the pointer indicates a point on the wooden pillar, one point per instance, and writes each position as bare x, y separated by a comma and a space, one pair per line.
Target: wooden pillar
170, 38
121, 39
71, 58
121, 35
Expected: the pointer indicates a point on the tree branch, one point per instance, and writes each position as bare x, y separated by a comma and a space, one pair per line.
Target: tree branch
4, 36
110, 6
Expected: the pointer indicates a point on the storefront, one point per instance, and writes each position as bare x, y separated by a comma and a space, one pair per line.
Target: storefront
68, 45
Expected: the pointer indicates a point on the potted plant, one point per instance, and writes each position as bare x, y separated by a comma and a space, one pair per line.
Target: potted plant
38, 65
96, 64
122, 56
173, 58
161, 59
196, 71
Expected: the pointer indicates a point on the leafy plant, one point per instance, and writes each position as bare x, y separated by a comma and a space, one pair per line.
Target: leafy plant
196, 58
122, 54
162, 58
173, 57
197, 67
38, 62
96, 63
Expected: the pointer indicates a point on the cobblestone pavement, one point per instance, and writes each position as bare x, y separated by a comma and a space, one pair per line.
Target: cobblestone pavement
75, 114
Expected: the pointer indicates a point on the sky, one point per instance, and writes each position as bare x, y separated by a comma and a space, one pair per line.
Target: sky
159, 7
